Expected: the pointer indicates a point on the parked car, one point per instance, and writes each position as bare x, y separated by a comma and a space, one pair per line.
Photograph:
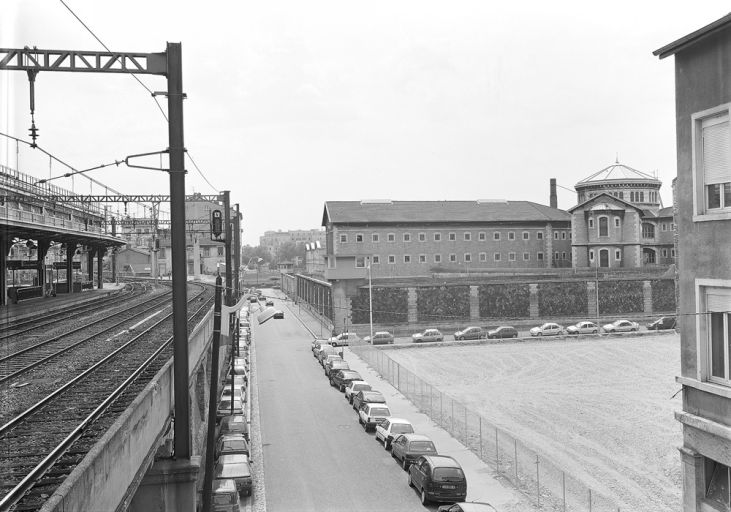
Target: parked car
585, 327
269, 302
330, 358
665, 322
230, 444
244, 324
235, 424
238, 380
504, 331
342, 378
470, 333
253, 300
240, 369
468, 506
391, 428
225, 495
353, 387
318, 343
438, 478
224, 408
334, 366
372, 414
343, 339
547, 329
278, 314
374, 397
621, 326
237, 394
239, 472
428, 335
380, 338
406, 448
326, 350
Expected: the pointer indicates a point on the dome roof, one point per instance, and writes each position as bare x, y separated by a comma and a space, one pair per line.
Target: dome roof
618, 173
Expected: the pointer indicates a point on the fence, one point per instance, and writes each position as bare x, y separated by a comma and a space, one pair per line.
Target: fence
550, 487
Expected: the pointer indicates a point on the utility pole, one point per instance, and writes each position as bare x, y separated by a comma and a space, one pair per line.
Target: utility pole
227, 244
237, 254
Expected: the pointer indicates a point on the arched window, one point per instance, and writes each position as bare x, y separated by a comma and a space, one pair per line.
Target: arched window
603, 226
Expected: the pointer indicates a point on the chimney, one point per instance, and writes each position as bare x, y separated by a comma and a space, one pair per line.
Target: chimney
553, 199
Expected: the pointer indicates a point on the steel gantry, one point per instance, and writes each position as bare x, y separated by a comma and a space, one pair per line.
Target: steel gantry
169, 65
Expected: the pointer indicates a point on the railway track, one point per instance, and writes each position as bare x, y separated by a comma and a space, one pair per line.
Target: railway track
33, 353
42, 445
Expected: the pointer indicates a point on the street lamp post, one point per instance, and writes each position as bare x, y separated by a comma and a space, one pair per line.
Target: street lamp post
370, 296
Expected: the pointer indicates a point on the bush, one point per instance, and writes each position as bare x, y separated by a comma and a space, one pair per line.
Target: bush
504, 300
663, 295
390, 305
620, 297
436, 304
562, 299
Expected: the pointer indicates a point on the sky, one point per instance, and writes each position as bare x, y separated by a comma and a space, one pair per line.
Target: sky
291, 104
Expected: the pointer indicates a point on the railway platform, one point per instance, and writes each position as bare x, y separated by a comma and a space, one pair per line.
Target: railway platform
36, 305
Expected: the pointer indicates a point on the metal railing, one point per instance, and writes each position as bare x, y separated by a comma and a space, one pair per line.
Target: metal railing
548, 485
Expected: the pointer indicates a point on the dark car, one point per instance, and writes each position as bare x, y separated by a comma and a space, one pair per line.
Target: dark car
470, 333
253, 300
504, 331
438, 478
367, 396
406, 448
335, 365
665, 322
278, 314
341, 378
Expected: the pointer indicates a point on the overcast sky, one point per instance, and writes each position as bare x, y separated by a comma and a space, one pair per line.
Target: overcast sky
294, 103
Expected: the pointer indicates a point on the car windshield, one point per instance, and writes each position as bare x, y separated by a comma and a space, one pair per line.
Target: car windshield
448, 474
235, 445
380, 411
361, 387
402, 428
422, 446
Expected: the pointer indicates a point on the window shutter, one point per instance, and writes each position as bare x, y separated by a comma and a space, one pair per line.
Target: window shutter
718, 301
716, 151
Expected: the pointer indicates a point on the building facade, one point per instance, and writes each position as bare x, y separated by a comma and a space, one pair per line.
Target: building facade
619, 221
272, 240
703, 195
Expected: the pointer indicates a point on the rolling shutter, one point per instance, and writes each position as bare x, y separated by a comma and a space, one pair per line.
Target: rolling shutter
718, 300
716, 150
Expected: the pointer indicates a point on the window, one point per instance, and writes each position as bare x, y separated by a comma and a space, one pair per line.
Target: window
220, 251
632, 197
376, 259
603, 226
331, 262
437, 258
511, 235
621, 195
591, 223
555, 235
591, 255
616, 222
664, 226
496, 235
375, 238
526, 235
437, 237
717, 477
391, 259
343, 239
717, 326
467, 257
539, 256
664, 253
617, 255
407, 237
563, 235
526, 256
391, 237
422, 258
496, 256
563, 255
359, 237
672, 253
539, 235
511, 256
422, 237
360, 262
452, 258
642, 197
648, 230
712, 164
481, 236
452, 237
555, 256
483, 256
407, 258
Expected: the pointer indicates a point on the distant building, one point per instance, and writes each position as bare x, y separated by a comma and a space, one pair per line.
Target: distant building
619, 220
271, 240
703, 196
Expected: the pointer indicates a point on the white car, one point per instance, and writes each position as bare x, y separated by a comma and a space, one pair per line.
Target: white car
353, 387
547, 329
372, 414
584, 327
343, 339
621, 326
427, 336
392, 428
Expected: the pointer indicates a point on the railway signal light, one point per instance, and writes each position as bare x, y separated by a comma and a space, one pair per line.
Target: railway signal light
216, 223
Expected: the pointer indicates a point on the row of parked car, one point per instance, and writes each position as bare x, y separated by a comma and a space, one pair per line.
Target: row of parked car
233, 476
437, 478
507, 331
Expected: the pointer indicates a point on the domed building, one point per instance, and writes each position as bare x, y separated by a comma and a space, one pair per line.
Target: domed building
620, 220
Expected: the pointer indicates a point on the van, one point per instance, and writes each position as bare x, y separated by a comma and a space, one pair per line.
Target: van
438, 478
225, 496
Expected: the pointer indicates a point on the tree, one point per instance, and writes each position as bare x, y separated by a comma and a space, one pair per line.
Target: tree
289, 251
254, 253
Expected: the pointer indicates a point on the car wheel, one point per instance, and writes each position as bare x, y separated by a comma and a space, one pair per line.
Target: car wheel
539, 334
594, 331
411, 482
405, 464
424, 499
385, 443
